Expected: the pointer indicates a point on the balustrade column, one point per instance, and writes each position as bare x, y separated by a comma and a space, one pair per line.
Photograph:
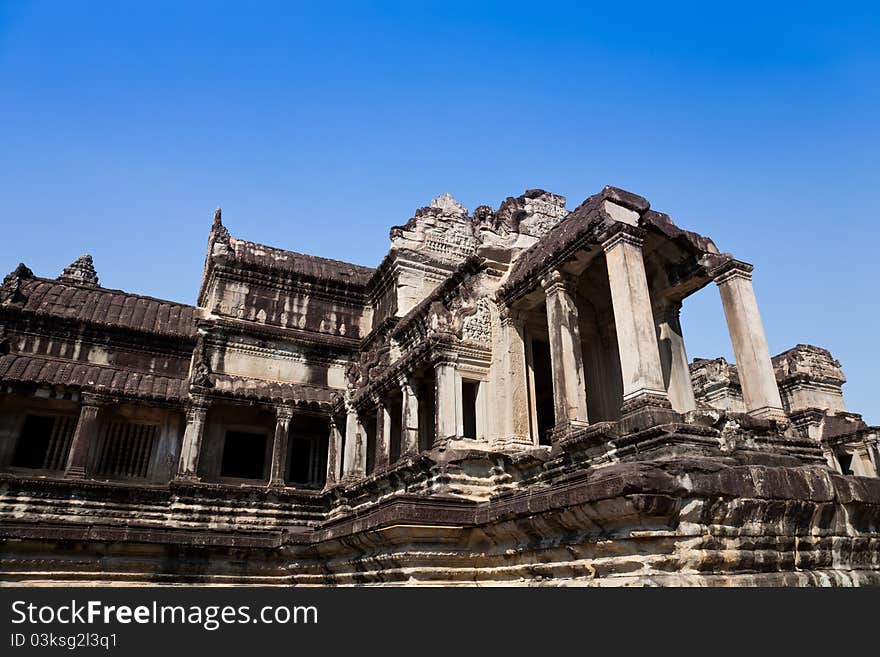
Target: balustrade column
446, 400
84, 436
516, 415
756, 375
566, 355
640, 366
410, 420
196, 419
673, 358
334, 453
278, 470
354, 464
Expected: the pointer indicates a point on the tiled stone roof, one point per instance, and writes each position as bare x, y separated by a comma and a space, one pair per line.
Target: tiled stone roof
587, 222
259, 390
111, 308
16, 368
264, 257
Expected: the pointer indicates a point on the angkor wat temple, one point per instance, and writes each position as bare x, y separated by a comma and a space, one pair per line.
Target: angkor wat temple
505, 399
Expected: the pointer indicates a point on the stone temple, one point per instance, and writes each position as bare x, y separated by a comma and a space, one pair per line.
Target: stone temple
505, 399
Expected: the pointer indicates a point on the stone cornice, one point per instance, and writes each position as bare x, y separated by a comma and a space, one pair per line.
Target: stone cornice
730, 270
620, 233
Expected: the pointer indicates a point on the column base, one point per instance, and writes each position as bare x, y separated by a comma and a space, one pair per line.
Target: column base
563, 429
442, 443
646, 409
188, 477
75, 472
770, 413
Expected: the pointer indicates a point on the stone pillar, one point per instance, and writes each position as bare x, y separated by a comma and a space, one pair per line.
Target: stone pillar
516, 399
410, 421
334, 453
673, 358
756, 376
278, 471
84, 436
566, 356
446, 400
354, 463
383, 436
196, 418
633, 320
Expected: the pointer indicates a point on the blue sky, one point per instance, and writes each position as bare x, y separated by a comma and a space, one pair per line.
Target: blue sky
124, 125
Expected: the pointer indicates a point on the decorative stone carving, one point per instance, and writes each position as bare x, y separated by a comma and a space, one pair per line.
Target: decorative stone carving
81, 271
201, 369
10, 291
478, 326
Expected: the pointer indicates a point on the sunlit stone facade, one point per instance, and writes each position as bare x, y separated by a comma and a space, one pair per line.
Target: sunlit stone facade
506, 399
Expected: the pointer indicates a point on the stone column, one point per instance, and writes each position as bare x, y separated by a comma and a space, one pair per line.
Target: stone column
383, 436
278, 471
354, 463
633, 320
196, 419
334, 453
410, 420
566, 356
756, 376
516, 402
673, 358
84, 436
446, 400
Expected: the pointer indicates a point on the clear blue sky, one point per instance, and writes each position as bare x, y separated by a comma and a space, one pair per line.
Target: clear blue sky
123, 125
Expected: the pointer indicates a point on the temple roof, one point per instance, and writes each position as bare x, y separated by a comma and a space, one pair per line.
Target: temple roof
20, 368
105, 307
584, 225
260, 390
270, 258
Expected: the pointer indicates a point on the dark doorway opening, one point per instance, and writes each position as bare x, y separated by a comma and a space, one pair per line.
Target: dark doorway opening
33, 443
307, 453
469, 392
244, 455
395, 408
427, 419
543, 390
370, 428
845, 461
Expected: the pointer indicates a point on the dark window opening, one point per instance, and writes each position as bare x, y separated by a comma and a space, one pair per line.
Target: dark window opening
370, 429
44, 442
33, 443
845, 461
395, 408
308, 462
427, 420
244, 455
469, 391
543, 390
126, 449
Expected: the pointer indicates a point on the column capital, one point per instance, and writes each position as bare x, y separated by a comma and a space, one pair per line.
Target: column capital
620, 233
556, 281
510, 316
445, 358
405, 381
194, 412
93, 400
667, 310
731, 269
283, 412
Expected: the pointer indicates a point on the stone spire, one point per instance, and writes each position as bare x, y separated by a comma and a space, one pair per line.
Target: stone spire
218, 230
10, 291
80, 271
